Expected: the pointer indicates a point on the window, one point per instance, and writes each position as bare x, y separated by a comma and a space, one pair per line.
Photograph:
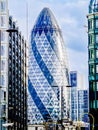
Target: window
93, 103
96, 23
2, 65
97, 103
2, 80
96, 38
91, 39
2, 21
96, 68
97, 86
91, 24
2, 53
3, 6
2, 36
4, 95
91, 54
96, 53
91, 69
92, 86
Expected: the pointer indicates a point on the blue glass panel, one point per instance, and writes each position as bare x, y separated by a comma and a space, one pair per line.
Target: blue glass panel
53, 44
41, 64
73, 79
37, 101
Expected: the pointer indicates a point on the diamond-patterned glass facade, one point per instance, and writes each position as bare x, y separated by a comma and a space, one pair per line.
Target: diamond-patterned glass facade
48, 71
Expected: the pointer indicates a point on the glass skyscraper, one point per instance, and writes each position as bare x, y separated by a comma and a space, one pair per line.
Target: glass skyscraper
83, 105
17, 78
93, 62
79, 98
13, 73
48, 71
74, 96
3, 60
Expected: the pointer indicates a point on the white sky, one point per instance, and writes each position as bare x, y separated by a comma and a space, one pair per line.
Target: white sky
71, 17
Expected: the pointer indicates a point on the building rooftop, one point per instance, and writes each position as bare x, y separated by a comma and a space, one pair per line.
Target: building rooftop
46, 20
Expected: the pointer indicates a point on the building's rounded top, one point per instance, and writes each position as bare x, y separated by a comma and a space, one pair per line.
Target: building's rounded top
46, 20
93, 6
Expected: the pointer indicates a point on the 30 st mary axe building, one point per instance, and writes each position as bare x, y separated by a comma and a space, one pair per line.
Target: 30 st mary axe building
13, 73
48, 71
93, 62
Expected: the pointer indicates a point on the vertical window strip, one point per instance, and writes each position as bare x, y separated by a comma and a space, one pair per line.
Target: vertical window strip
91, 24
96, 53
93, 85
97, 86
97, 103
97, 68
96, 38
93, 103
91, 39
96, 23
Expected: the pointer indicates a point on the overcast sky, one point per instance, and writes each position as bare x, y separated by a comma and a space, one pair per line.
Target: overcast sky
71, 17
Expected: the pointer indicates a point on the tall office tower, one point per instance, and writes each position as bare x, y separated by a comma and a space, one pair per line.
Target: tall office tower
79, 98
83, 105
17, 78
93, 62
48, 71
3, 59
13, 73
74, 96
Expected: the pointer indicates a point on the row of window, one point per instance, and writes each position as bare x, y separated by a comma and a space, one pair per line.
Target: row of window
2, 80
93, 68
94, 86
3, 50
3, 36
3, 6
93, 38
94, 104
91, 23
2, 65
93, 54
3, 20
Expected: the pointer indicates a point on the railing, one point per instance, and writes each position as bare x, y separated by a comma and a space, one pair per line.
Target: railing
92, 118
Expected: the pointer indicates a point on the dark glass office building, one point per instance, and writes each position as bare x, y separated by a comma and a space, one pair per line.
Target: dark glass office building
17, 79
13, 73
93, 62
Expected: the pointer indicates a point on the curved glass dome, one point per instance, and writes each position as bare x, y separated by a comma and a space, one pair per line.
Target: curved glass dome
47, 71
46, 20
93, 7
